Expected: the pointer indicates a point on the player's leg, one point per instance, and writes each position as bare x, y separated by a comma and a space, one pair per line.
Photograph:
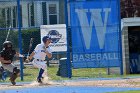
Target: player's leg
39, 78
14, 75
3, 73
14, 72
42, 66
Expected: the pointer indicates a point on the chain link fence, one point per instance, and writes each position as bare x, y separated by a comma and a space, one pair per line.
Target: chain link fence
35, 13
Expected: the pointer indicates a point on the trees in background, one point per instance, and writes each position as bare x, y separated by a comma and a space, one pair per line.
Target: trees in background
26, 36
130, 8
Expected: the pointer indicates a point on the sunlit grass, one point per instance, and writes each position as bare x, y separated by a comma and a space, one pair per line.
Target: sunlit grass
30, 74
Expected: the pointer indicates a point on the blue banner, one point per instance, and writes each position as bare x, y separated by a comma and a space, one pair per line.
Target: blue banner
95, 27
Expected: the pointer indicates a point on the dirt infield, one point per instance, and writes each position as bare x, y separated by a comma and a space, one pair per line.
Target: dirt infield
107, 83
101, 83
26, 85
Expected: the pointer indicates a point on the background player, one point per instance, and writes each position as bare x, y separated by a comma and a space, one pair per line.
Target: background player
39, 55
6, 58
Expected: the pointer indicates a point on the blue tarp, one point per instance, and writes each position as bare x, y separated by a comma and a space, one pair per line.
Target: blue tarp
95, 27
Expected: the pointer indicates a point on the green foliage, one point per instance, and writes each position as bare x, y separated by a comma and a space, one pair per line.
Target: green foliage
2, 37
26, 37
13, 37
2, 21
31, 73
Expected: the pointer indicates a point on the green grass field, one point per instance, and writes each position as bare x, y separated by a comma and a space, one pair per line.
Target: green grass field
126, 92
77, 73
31, 73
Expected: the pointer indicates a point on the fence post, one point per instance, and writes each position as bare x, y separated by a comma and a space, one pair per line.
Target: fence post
68, 46
20, 37
120, 39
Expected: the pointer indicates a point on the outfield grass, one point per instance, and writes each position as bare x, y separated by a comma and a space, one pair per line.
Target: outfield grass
126, 92
31, 73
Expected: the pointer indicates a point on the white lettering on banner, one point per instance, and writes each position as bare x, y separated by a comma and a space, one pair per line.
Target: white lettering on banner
81, 58
105, 57
58, 45
87, 57
87, 27
95, 57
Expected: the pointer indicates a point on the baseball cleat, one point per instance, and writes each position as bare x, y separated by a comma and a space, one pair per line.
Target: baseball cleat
13, 78
39, 80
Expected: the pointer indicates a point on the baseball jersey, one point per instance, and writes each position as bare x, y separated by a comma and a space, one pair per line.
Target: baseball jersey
8, 54
40, 51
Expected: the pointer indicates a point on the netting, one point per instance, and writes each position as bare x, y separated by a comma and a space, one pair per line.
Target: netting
48, 17
33, 14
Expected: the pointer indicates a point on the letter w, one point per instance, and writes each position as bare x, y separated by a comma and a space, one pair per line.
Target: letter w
86, 26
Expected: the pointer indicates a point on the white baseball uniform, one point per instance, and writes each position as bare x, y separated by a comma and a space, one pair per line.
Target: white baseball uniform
40, 55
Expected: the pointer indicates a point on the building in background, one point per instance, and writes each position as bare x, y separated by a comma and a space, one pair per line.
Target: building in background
46, 12
130, 14
33, 12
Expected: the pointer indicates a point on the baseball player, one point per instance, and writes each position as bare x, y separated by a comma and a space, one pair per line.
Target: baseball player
6, 58
39, 54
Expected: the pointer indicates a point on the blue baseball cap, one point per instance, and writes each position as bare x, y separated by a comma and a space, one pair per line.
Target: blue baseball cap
45, 38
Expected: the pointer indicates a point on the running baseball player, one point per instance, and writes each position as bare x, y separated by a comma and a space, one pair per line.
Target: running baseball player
6, 58
39, 54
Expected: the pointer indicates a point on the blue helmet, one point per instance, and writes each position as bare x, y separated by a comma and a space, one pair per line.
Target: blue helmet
45, 38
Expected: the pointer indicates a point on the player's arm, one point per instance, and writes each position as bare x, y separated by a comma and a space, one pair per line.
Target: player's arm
31, 55
4, 61
49, 54
19, 55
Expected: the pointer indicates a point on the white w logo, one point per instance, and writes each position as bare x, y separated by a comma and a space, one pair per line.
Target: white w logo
100, 27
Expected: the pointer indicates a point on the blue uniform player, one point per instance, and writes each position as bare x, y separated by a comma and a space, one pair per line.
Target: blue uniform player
39, 54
